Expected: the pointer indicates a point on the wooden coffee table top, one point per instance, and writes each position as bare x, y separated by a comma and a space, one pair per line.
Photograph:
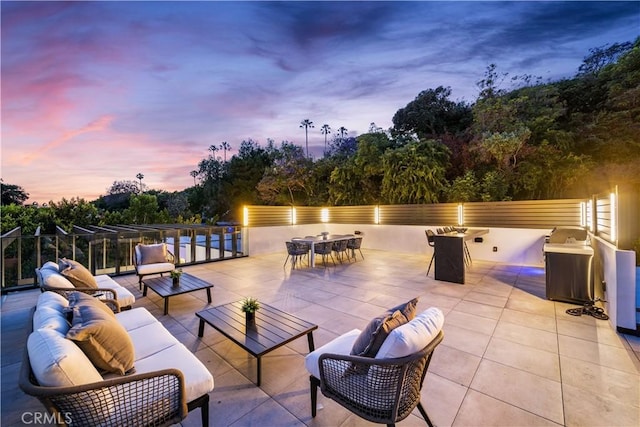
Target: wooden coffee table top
163, 286
271, 329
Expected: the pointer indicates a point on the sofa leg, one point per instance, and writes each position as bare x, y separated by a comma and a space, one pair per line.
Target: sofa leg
204, 412
424, 414
314, 384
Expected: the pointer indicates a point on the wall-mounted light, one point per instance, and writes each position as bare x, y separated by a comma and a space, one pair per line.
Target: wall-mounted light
614, 219
590, 215
245, 216
460, 214
583, 214
376, 215
294, 218
324, 215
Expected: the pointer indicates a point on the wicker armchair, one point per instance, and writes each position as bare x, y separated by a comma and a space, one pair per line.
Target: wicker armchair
386, 394
296, 251
145, 269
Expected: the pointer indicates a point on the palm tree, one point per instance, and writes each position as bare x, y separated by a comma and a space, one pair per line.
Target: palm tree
306, 124
140, 176
325, 129
342, 131
225, 146
194, 173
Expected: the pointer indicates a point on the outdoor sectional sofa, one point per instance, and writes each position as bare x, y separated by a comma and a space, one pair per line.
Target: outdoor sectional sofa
52, 278
106, 369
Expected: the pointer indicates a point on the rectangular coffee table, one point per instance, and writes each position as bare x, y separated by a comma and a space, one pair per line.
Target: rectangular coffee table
272, 328
163, 286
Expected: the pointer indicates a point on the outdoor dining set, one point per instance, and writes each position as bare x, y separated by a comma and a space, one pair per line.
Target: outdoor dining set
344, 247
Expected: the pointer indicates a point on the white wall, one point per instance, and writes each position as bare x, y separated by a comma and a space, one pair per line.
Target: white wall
519, 246
620, 275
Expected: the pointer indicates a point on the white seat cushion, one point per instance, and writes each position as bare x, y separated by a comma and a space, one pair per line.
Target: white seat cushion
59, 362
197, 378
151, 339
125, 297
340, 345
50, 313
161, 267
135, 318
413, 336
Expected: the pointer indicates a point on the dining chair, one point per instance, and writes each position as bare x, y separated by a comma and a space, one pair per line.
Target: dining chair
440, 230
324, 249
432, 242
354, 244
296, 251
340, 248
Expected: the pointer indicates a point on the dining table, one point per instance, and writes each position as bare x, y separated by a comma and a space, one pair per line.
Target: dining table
450, 253
321, 238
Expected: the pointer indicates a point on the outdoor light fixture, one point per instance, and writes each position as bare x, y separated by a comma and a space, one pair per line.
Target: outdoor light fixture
245, 216
460, 214
293, 216
376, 215
324, 215
614, 219
583, 214
590, 215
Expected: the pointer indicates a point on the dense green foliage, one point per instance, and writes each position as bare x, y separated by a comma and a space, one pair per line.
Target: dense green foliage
533, 140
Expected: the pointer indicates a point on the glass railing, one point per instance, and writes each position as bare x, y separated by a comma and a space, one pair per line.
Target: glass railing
109, 250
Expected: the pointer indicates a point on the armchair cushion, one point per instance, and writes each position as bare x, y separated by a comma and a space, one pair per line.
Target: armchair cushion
52, 278
340, 345
375, 333
413, 336
77, 274
51, 313
153, 254
99, 335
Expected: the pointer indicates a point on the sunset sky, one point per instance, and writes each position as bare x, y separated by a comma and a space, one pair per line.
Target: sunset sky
94, 92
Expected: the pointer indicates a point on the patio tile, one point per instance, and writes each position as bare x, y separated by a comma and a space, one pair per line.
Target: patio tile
585, 406
465, 340
488, 299
479, 309
453, 364
525, 358
536, 338
441, 399
609, 384
602, 333
472, 322
515, 387
478, 409
531, 320
601, 354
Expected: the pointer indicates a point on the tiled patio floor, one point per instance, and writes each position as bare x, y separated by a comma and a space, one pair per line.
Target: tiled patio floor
509, 357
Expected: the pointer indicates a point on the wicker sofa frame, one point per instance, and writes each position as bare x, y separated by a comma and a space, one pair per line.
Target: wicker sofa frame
386, 394
155, 398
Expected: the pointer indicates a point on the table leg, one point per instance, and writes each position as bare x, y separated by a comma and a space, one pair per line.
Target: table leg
259, 371
201, 328
144, 291
313, 254
166, 306
209, 295
310, 340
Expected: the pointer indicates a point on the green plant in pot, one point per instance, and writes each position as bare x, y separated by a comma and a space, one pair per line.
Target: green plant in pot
175, 276
249, 307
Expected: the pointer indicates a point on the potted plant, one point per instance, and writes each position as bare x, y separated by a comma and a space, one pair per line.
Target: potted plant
249, 307
175, 276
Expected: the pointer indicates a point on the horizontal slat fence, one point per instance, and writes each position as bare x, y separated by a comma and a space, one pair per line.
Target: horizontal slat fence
523, 214
519, 214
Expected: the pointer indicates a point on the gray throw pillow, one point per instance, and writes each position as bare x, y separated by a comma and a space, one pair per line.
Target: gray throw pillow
153, 254
371, 338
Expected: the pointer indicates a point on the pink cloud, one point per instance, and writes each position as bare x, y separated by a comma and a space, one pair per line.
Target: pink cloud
100, 124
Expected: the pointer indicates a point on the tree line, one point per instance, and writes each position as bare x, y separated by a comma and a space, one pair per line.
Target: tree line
521, 139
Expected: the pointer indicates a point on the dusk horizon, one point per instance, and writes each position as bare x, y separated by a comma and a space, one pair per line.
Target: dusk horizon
97, 92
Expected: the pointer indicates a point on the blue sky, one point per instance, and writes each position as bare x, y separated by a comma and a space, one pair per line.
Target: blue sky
94, 92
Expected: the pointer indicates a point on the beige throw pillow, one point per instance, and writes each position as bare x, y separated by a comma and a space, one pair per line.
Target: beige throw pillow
77, 274
99, 335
